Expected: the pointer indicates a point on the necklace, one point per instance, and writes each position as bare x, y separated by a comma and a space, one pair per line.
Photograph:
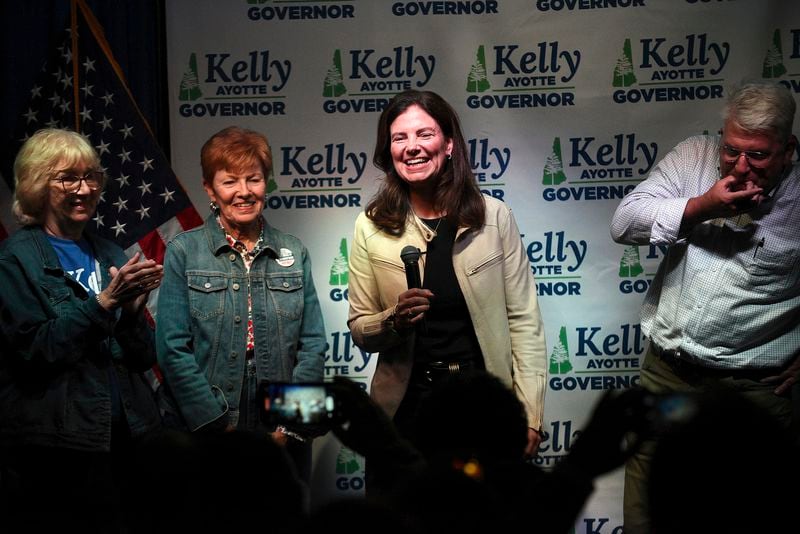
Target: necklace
434, 228
429, 222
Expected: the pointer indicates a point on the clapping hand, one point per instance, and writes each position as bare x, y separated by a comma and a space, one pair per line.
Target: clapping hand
131, 284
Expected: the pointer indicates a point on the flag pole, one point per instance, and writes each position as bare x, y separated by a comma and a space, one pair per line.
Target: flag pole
75, 69
97, 32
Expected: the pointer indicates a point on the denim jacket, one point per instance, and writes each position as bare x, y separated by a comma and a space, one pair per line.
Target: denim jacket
57, 344
201, 327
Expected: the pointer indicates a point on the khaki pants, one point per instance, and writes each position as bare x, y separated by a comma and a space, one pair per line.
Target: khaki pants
657, 376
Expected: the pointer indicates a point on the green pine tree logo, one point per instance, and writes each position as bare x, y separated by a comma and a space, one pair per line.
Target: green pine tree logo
272, 185
190, 84
339, 270
334, 85
347, 462
477, 82
773, 62
623, 70
553, 173
629, 265
559, 358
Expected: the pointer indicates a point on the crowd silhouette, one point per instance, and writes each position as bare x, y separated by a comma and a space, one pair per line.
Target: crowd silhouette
720, 465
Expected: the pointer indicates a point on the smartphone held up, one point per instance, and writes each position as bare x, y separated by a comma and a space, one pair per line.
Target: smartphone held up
297, 403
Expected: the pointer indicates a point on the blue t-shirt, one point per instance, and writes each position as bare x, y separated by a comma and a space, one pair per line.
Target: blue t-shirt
77, 259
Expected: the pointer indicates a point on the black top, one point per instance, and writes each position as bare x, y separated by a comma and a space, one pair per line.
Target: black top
448, 334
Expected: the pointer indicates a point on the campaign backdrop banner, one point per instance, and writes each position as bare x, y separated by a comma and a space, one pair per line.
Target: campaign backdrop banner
565, 104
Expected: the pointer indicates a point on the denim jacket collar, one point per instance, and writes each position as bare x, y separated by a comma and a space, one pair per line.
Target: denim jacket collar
45, 249
218, 244
45, 252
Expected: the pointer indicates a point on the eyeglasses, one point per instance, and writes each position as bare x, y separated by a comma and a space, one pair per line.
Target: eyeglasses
754, 158
72, 182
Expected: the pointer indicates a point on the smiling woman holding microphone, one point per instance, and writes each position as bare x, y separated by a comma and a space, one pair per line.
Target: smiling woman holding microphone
477, 301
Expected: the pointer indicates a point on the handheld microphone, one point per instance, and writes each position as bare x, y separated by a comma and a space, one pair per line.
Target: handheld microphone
410, 256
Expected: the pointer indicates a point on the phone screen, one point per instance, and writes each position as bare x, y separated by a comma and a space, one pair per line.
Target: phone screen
299, 403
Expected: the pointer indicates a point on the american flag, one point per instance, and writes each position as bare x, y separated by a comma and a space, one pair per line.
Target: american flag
80, 87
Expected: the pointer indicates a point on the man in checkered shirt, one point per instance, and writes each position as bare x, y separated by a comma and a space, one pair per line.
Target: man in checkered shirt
723, 307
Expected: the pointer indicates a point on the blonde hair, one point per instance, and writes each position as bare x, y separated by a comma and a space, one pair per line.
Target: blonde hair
44, 154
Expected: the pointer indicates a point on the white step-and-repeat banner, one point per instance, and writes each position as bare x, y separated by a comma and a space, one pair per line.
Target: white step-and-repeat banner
566, 105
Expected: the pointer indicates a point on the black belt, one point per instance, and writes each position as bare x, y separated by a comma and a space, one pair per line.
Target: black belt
434, 372
683, 362
676, 358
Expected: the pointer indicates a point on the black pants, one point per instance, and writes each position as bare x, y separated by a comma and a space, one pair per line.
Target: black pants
425, 378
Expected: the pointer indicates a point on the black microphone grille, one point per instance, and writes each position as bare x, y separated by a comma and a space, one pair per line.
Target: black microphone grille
410, 254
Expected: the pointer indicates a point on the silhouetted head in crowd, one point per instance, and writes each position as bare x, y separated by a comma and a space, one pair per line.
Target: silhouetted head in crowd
473, 415
725, 469
470, 428
450, 500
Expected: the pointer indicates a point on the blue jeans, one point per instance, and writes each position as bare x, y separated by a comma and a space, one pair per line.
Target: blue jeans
247, 417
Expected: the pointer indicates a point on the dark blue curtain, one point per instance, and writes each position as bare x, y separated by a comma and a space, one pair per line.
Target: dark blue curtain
135, 30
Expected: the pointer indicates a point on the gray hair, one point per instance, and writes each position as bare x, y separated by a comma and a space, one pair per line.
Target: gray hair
763, 107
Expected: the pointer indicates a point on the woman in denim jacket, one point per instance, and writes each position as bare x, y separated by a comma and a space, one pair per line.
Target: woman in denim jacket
238, 304
74, 345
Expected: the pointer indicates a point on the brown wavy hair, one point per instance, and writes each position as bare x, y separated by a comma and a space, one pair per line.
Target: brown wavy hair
457, 192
